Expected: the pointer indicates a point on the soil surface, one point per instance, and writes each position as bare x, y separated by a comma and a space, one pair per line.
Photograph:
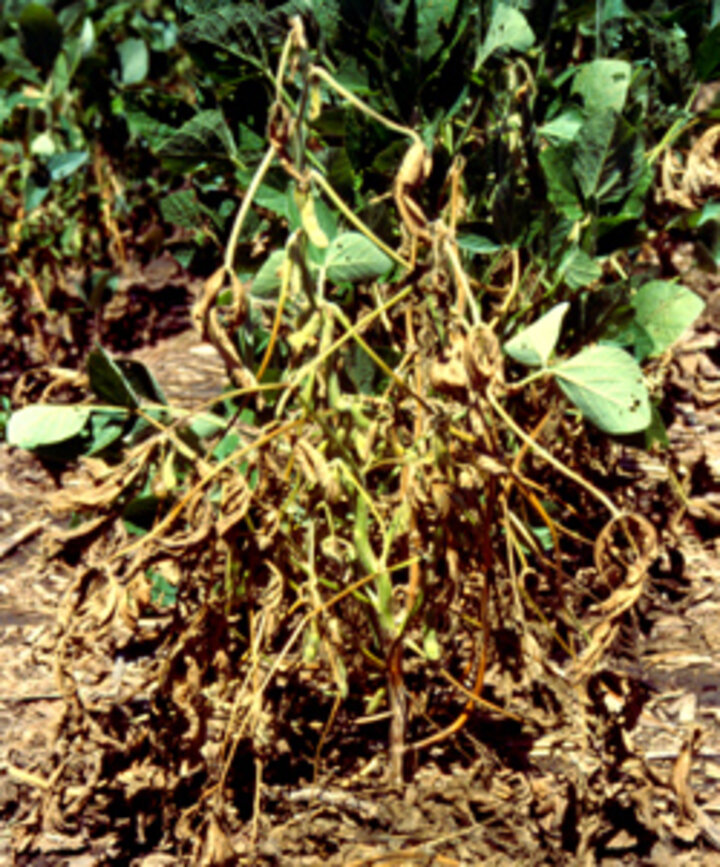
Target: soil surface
652, 720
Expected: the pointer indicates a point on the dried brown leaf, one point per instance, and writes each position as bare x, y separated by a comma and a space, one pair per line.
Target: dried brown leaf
483, 359
702, 172
450, 375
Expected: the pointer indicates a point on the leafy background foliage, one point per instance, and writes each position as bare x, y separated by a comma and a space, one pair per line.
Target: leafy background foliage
184, 87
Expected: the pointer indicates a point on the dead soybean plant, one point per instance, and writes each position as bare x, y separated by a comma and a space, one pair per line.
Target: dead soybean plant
368, 544
428, 472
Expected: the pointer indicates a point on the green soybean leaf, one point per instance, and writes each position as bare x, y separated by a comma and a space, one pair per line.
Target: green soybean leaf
207, 424
563, 128
578, 269
141, 380
603, 84
134, 61
105, 429
61, 166
431, 645
108, 381
432, 16
592, 151
664, 310
269, 278
707, 56
535, 344
351, 256
508, 29
709, 214
477, 244
606, 384
41, 35
562, 188
182, 208
41, 425
198, 138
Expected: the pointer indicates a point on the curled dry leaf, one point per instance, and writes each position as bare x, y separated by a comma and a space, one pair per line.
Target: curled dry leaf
280, 127
473, 362
207, 321
640, 538
670, 189
451, 375
415, 167
318, 470
217, 848
483, 358
413, 172
211, 288
699, 179
186, 696
236, 500
702, 173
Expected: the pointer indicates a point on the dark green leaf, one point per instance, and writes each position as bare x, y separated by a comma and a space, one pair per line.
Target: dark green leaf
199, 137
592, 148
432, 17
707, 58
183, 209
556, 163
108, 381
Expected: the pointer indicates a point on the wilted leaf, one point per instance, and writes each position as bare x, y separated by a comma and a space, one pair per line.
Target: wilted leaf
310, 223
